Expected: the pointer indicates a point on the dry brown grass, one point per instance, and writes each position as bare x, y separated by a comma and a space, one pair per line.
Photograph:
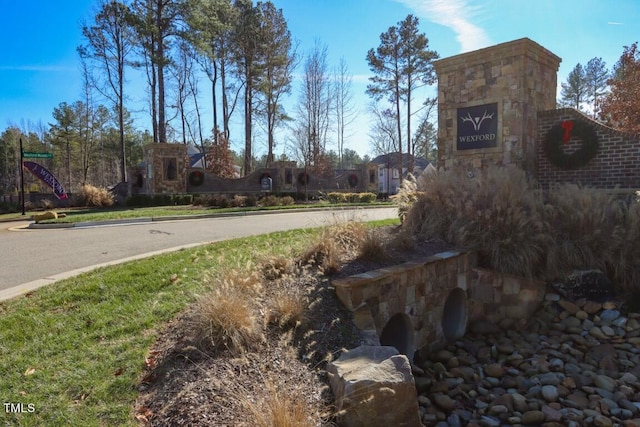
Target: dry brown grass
95, 196
274, 267
626, 252
586, 224
372, 247
225, 317
496, 214
514, 229
245, 278
335, 241
277, 408
287, 302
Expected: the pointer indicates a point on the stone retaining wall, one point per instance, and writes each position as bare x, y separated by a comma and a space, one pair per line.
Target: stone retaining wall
436, 296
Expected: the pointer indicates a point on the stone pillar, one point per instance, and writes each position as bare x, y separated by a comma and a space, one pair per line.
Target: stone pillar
488, 101
166, 168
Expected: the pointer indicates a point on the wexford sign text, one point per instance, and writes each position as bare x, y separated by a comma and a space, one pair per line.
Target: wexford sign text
477, 127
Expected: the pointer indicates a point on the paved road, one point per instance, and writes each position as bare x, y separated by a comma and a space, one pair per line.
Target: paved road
33, 258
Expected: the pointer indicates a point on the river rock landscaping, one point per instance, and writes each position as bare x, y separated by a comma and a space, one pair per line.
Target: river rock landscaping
574, 364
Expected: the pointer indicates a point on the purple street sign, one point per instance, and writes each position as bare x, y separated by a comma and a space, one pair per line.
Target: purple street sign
47, 177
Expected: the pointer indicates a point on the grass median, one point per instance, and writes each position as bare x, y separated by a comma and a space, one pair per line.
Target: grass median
72, 353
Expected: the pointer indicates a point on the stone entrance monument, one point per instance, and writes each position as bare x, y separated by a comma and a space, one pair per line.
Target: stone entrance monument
488, 104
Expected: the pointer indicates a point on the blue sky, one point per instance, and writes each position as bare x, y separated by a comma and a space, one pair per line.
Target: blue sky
39, 67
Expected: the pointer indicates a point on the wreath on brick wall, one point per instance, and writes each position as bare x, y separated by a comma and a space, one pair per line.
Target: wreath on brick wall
196, 178
560, 135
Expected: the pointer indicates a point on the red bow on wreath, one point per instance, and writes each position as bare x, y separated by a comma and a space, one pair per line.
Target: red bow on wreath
567, 125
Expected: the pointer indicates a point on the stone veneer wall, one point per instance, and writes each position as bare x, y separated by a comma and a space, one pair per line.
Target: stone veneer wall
497, 297
616, 164
278, 171
520, 76
154, 156
420, 290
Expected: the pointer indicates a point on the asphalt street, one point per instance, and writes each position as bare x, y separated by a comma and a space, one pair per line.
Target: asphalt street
33, 258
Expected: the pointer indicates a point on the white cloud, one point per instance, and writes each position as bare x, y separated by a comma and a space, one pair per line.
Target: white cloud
455, 14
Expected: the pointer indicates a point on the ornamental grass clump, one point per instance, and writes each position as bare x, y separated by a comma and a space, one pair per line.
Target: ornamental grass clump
626, 252
587, 226
225, 320
276, 408
95, 197
372, 248
498, 214
333, 244
225, 317
287, 302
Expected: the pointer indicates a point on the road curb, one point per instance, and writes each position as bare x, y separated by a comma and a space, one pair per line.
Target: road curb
132, 221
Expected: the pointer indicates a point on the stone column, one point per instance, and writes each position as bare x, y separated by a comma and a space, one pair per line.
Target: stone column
488, 101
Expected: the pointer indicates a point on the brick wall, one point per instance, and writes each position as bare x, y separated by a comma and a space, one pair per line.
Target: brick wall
617, 163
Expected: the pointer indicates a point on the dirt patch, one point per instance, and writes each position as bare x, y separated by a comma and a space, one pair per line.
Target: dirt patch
185, 386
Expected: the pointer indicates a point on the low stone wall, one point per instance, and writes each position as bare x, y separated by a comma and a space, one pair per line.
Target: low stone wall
496, 297
286, 180
420, 305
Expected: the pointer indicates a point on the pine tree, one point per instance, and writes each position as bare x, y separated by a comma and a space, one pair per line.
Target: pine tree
596, 75
574, 91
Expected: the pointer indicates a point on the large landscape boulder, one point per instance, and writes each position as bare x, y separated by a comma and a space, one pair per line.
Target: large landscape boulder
374, 386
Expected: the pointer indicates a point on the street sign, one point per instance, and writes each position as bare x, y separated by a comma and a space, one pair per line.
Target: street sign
31, 155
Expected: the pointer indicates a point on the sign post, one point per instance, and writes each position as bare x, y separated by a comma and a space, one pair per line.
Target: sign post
22, 176
32, 155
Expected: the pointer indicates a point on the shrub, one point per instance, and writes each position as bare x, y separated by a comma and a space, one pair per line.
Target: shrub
325, 254
516, 229
184, 199
46, 204
407, 196
626, 251
287, 201
336, 197
220, 201
270, 201
95, 196
584, 223
6, 207
352, 197
238, 201
334, 242
367, 197
251, 201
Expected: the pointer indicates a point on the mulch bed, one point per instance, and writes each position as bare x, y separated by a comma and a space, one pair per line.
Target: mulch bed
185, 386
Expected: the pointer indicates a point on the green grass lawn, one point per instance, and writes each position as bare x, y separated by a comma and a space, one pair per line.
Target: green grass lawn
110, 214
75, 350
